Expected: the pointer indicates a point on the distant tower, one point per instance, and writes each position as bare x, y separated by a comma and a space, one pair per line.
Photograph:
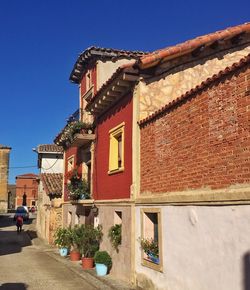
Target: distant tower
4, 172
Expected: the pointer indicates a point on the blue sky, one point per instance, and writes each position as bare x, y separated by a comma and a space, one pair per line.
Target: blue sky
40, 42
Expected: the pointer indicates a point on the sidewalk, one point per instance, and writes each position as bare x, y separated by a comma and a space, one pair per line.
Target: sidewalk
103, 283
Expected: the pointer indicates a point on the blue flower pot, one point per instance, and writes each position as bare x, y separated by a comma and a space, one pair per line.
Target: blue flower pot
154, 259
101, 269
63, 252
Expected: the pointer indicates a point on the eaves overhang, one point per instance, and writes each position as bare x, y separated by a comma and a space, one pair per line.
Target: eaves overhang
120, 84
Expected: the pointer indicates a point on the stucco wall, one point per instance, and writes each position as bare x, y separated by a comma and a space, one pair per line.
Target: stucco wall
52, 164
106, 69
104, 184
122, 259
181, 78
204, 248
43, 214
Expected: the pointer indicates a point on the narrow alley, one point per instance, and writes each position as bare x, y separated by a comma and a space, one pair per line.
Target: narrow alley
27, 266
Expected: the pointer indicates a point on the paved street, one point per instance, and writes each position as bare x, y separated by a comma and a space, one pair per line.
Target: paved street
26, 266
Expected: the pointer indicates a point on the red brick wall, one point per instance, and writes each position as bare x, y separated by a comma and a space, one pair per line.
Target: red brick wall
203, 142
116, 185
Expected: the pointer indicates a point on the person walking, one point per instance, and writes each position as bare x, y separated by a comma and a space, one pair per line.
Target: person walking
19, 224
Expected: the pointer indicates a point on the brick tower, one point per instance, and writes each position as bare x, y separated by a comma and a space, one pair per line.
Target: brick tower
4, 171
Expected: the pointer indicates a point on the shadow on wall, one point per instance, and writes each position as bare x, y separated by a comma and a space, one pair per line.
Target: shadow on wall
13, 286
246, 261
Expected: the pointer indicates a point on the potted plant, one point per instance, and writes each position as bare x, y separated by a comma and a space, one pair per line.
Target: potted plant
151, 249
103, 262
75, 234
63, 240
115, 236
89, 239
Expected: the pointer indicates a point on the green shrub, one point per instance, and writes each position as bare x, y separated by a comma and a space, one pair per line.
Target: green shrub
89, 238
103, 257
63, 237
115, 235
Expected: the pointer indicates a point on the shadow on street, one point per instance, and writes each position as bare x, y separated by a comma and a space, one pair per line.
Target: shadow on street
13, 286
13, 242
7, 221
10, 241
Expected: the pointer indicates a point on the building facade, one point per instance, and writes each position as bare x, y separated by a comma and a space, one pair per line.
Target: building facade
49, 212
166, 156
27, 190
4, 173
190, 139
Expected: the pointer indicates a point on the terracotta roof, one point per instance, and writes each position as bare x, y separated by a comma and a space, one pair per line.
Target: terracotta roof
158, 56
49, 148
52, 183
28, 175
244, 61
171, 52
97, 53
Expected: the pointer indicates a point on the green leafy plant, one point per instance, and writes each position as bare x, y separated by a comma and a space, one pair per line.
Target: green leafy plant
103, 257
115, 236
150, 246
66, 137
89, 238
62, 237
77, 187
75, 236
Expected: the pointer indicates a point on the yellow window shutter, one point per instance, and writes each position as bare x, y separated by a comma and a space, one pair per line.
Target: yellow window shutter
113, 153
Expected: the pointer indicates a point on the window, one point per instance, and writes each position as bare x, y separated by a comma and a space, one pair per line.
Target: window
69, 218
116, 149
88, 80
117, 218
70, 163
151, 235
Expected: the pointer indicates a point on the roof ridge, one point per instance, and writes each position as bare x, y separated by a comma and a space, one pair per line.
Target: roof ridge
245, 60
187, 46
85, 57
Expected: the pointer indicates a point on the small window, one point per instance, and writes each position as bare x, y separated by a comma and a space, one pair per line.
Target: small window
151, 247
88, 80
116, 149
117, 218
70, 163
69, 218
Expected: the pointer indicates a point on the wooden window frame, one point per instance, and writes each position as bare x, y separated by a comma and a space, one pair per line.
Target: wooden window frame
114, 134
145, 262
72, 157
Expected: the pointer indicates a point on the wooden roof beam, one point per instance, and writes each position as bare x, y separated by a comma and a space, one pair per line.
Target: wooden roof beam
129, 77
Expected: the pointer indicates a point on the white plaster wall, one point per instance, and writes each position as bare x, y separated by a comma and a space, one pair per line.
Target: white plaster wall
204, 248
52, 164
106, 69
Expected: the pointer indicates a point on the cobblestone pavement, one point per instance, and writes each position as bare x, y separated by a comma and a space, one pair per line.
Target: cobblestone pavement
27, 263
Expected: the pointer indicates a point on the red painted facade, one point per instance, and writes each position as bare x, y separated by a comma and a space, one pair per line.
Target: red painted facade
76, 154
27, 184
92, 71
115, 186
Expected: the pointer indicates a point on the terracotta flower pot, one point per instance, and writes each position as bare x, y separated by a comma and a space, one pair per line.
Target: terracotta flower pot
87, 263
75, 255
